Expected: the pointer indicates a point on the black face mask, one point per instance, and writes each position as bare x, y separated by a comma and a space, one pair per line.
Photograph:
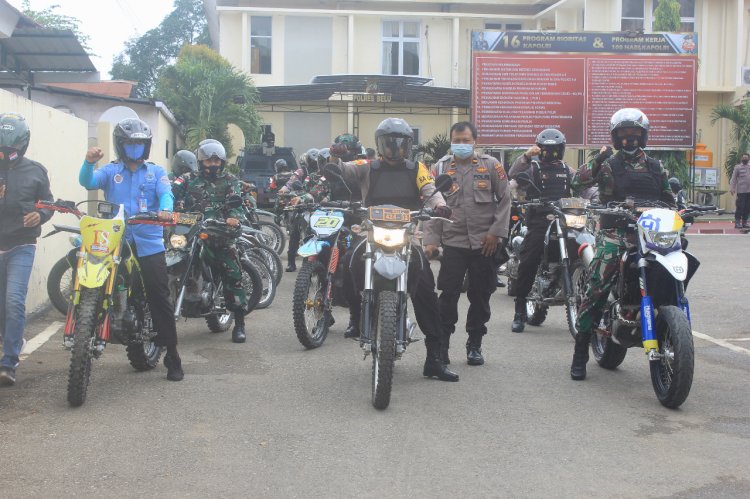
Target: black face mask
212, 171
744, 161
8, 157
549, 154
632, 144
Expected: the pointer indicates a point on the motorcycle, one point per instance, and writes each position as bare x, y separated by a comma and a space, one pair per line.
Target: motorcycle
319, 282
648, 305
385, 331
108, 298
60, 277
197, 290
271, 234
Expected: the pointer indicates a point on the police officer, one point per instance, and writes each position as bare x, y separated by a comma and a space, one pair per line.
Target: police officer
397, 181
141, 186
740, 184
543, 164
627, 173
207, 193
480, 202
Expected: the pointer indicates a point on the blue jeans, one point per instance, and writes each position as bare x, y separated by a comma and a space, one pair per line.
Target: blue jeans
15, 271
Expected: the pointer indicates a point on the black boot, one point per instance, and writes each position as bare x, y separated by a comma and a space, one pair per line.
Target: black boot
291, 259
519, 319
238, 333
173, 363
737, 224
474, 351
352, 331
444, 351
580, 356
434, 367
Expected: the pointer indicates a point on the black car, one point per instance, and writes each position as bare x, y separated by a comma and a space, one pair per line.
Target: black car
258, 168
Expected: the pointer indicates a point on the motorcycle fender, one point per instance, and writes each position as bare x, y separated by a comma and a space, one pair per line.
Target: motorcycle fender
93, 275
390, 266
676, 264
312, 247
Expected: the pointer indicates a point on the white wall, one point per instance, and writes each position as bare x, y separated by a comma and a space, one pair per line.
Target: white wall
59, 142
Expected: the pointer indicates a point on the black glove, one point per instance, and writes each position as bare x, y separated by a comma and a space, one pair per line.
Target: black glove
442, 212
603, 156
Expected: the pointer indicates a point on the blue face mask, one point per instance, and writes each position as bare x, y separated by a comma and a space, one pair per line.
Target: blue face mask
134, 151
462, 151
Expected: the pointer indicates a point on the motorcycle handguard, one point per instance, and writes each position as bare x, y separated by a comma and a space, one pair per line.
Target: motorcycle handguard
312, 247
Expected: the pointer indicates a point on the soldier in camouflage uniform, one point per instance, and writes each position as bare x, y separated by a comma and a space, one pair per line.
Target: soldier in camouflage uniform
627, 173
207, 193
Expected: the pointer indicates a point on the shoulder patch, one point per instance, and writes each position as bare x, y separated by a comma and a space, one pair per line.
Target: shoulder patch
178, 181
423, 176
360, 162
165, 180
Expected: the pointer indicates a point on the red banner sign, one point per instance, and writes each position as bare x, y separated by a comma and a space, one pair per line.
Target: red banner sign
517, 95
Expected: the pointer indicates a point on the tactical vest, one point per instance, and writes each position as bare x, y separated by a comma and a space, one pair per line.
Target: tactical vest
644, 183
393, 185
552, 179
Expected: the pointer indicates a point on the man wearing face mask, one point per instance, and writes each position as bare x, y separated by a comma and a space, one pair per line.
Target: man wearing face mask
207, 193
627, 173
740, 185
480, 202
141, 187
543, 164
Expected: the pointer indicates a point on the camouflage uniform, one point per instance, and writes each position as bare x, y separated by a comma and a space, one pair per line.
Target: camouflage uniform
196, 193
611, 244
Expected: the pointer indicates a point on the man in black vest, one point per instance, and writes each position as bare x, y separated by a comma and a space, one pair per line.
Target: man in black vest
544, 165
395, 180
628, 173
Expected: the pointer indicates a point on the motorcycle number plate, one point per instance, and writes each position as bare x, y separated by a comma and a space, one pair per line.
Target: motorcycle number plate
326, 223
389, 214
188, 218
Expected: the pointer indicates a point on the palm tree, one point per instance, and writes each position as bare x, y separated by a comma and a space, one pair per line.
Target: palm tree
740, 118
434, 149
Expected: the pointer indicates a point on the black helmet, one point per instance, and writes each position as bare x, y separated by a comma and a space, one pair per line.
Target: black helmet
394, 138
184, 161
14, 137
208, 149
352, 145
280, 166
132, 129
552, 143
675, 184
629, 118
311, 160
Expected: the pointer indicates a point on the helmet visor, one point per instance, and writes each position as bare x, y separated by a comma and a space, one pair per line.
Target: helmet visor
211, 150
394, 147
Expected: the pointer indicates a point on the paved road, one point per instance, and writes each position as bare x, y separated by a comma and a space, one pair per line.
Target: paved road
269, 419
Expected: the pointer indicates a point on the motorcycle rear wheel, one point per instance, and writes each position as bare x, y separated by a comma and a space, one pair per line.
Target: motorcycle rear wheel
607, 353
219, 323
143, 355
60, 284
84, 331
536, 313
308, 309
269, 283
252, 283
672, 376
384, 354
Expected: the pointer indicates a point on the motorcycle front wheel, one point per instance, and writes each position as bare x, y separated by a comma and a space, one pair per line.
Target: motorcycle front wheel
579, 278
672, 375
384, 354
252, 283
60, 284
308, 305
269, 283
84, 331
274, 236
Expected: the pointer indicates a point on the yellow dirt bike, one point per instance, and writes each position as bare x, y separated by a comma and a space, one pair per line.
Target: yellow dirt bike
108, 303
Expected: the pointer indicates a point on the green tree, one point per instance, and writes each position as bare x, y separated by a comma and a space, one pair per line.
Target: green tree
146, 56
206, 93
50, 18
434, 149
739, 116
667, 16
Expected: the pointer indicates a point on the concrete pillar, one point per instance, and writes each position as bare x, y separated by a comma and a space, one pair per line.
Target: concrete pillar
245, 43
455, 53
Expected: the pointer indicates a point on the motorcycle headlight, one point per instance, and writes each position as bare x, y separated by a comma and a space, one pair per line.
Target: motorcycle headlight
662, 240
177, 241
575, 221
390, 238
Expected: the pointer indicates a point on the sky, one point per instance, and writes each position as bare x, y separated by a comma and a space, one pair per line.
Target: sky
109, 23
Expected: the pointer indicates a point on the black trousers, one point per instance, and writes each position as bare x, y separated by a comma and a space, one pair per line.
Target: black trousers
482, 283
742, 207
155, 280
296, 227
531, 255
421, 288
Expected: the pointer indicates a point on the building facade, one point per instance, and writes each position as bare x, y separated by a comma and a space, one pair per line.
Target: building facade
297, 50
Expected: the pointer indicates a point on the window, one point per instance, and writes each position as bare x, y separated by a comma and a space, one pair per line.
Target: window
260, 45
400, 48
687, 14
415, 132
633, 13
166, 150
503, 26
